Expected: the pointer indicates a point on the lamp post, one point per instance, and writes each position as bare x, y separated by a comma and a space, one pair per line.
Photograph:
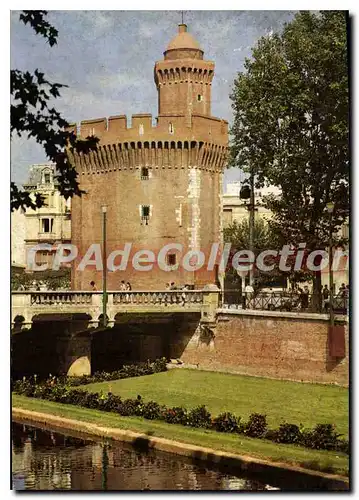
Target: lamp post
104, 267
330, 209
251, 223
247, 193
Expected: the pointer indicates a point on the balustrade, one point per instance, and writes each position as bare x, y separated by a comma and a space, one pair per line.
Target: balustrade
60, 298
158, 298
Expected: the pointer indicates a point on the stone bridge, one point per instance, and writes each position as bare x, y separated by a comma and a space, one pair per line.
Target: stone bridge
27, 306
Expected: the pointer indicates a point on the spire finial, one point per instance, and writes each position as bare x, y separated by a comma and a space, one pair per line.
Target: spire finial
182, 16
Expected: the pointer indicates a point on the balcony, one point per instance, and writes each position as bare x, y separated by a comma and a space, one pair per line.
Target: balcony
46, 236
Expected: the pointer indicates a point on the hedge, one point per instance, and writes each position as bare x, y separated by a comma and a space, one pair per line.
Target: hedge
321, 437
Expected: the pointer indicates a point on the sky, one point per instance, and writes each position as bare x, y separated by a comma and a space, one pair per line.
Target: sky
107, 57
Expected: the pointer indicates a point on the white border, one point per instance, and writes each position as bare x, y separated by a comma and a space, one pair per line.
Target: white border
5, 157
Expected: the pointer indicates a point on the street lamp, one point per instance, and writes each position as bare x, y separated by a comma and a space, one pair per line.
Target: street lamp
330, 210
104, 267
247, 193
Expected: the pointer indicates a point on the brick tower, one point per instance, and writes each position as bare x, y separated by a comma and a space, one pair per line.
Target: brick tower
162, 183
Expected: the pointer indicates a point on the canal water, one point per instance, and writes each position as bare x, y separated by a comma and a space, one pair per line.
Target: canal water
46, 460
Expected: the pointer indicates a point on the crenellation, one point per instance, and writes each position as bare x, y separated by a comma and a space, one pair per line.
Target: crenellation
96, 127
115, 129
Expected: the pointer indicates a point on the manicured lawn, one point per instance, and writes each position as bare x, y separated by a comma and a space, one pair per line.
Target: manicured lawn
320, 460
294, 402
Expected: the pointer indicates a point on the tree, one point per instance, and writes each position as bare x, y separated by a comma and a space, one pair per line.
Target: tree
237, 234
291, 125
264, 238
33, 115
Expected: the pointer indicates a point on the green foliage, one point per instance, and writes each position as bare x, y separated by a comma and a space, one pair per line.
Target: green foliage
199, 417
226, 422
288, 433
159, 365
256, 425
33, 115
291, 124
237, 234
175, 415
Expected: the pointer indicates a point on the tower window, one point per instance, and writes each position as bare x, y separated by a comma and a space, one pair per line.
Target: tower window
171, 128
171, 259
144, 174
200, 97
141, 129
145, 214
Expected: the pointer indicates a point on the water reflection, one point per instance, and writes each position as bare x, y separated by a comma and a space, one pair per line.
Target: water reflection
45, 460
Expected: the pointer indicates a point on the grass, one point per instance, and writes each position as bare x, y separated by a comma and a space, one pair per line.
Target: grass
280, 400
314, 459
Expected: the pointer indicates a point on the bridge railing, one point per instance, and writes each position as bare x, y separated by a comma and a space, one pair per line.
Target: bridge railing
116, 298
159, 297
53, 297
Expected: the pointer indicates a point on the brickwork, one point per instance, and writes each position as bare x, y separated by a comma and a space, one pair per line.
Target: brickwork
184, 155
275, 347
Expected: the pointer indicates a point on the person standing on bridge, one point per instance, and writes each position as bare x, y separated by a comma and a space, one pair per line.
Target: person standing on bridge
128, 288
93, 286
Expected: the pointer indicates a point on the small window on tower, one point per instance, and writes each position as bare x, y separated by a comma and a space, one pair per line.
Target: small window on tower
171, 259
145, 214
200, 97
171, 128
141, 129
144, 174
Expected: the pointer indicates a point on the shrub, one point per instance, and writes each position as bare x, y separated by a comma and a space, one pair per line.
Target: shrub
111, 402
343, 446
76, 397
160, 365
226, 422
175, 415
199, 417
322, 437
256, 425
130, 407
288, 433
91, 400
152, 411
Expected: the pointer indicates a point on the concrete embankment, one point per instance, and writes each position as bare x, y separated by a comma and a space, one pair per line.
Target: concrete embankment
284, 475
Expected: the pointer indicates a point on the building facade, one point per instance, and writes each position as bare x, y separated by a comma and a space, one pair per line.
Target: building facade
50, 224
235, 209
161, 184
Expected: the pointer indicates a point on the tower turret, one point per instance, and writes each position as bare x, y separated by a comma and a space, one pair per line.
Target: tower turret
184, 78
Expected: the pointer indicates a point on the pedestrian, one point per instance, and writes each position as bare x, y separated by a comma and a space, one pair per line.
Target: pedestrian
325, 295
122, 286
304, 298
184, 294
128, 288
172, 286
342, 289
248, 294
93, 286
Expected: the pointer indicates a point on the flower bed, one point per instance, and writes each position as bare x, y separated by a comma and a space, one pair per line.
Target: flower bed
322, 436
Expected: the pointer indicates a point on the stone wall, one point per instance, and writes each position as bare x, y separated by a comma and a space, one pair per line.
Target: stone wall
266, 344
